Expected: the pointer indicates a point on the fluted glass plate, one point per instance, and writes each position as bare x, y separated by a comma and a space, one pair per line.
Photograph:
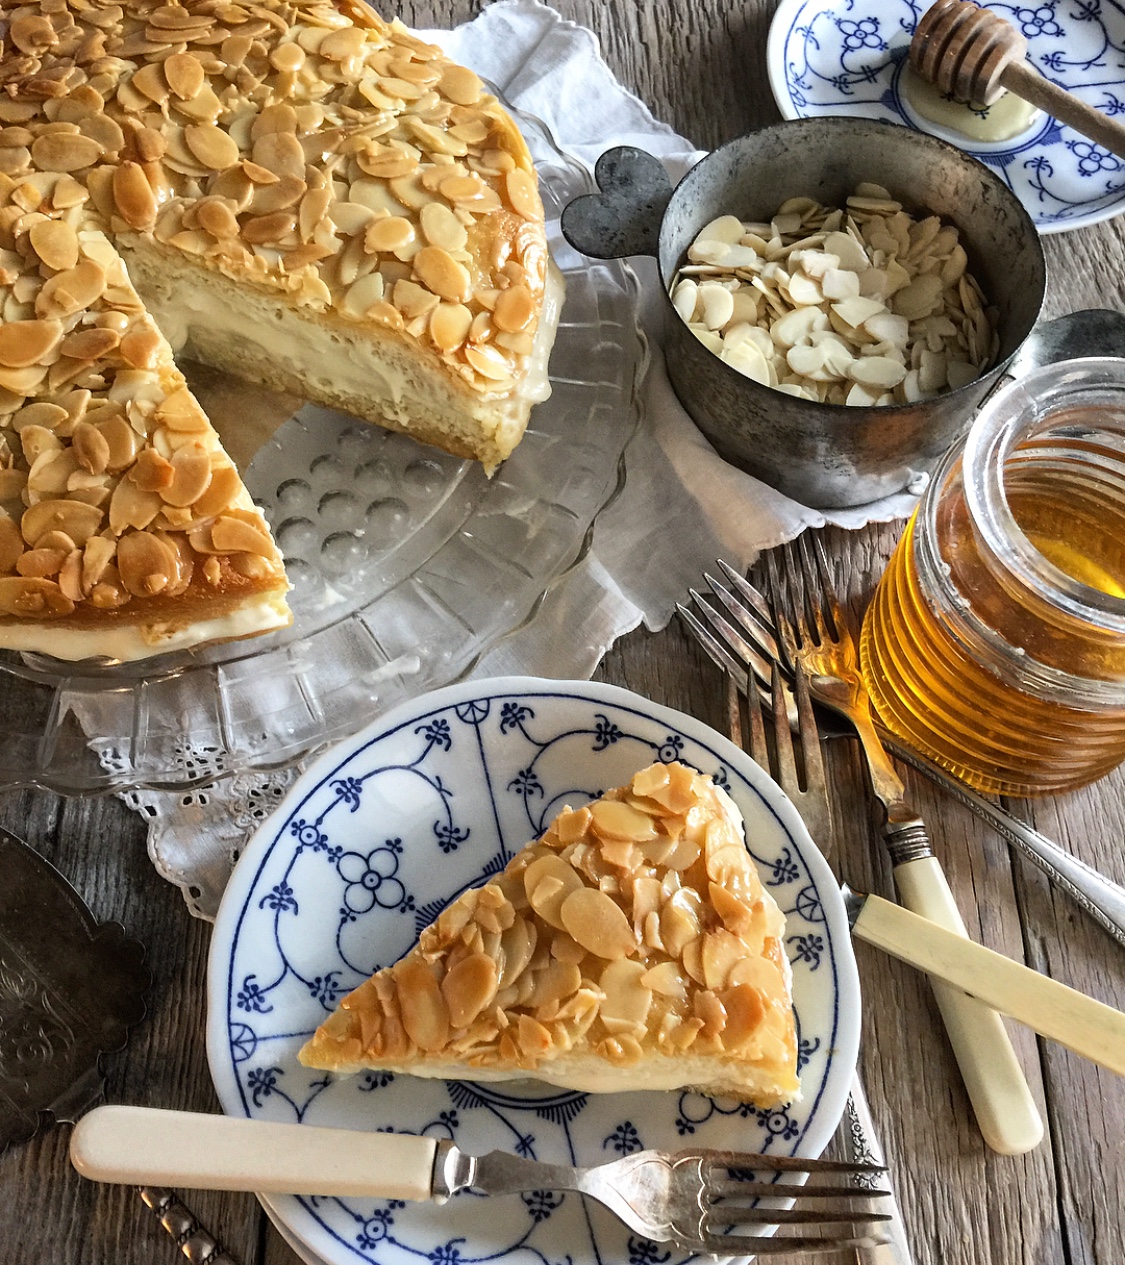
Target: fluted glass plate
367, 848
848, 57
407, 564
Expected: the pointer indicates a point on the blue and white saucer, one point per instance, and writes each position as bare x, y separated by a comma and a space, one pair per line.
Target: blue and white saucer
365, 850
832, 57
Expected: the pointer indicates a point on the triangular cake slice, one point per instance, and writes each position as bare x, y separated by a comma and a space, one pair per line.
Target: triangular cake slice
632, 946
125, 530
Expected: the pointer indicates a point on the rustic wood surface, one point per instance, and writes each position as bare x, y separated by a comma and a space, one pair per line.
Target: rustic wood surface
700, 64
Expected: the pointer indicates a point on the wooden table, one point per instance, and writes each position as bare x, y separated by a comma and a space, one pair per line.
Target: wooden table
700, 64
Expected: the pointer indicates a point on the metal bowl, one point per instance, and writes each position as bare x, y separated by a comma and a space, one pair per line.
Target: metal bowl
824, 455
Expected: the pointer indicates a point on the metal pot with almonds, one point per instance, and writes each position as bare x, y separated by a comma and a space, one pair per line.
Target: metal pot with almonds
841, 295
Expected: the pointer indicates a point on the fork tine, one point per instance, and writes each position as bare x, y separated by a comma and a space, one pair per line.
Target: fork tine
797, 587
748, 1162
781, 606
757, 745
755, 1215
812, 754
728, 1190
814, 598
750, 608
756, 1245
754, 653
840, 617
786, 772
719, 654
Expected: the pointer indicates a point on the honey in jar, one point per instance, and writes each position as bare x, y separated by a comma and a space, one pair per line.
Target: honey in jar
995, 642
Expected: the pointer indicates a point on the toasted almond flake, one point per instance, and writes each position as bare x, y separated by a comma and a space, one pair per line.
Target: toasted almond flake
65, 152
133, 196
56, 243
211, 145
26, 343
184, 74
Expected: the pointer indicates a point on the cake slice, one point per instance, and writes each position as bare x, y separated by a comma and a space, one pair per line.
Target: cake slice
631, 947
125, 530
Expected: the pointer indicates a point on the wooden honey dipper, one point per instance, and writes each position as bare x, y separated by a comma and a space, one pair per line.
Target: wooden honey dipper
975, 55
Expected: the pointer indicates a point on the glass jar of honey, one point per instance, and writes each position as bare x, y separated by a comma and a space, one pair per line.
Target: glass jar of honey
995, 642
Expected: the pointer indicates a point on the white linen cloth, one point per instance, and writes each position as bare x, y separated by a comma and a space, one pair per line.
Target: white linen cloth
682, 506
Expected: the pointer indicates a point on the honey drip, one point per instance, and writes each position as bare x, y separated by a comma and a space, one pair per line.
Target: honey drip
972, 717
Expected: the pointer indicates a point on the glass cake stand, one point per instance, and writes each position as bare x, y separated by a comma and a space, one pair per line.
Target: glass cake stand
407, 564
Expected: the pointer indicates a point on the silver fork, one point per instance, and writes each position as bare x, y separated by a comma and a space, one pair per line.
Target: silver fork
808, 791
695, 1199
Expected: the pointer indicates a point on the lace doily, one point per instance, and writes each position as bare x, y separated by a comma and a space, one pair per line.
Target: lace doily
195, 836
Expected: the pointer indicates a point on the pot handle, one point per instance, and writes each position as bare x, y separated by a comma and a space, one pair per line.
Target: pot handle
625, 217
1091, 332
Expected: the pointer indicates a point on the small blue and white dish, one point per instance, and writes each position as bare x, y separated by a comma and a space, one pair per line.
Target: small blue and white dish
371, 843
848, 57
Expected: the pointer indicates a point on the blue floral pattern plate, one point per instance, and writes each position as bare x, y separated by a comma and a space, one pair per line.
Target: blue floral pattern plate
368, 847
831, 57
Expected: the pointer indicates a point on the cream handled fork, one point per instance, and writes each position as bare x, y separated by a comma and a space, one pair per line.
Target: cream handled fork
1086, 1026
1005, 1111
810, 797
823, 644
692, 1198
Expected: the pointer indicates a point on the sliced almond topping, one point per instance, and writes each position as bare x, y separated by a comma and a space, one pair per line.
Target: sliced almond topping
184, 74
191, 473
469, 987
596, 921
33, 598
233, 535
56, 244
65, 151
145, 563
522, 194
25, 343
440, 272
425, 1015
77, 520
89, 344
133, 196
449, 325
211, 145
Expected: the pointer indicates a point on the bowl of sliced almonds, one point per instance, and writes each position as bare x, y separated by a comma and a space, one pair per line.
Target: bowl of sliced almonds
842, 294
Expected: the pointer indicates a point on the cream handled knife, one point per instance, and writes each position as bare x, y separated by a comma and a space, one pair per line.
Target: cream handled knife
1088, 1027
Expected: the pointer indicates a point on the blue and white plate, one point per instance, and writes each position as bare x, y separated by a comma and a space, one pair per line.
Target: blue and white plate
366, 849
832, 57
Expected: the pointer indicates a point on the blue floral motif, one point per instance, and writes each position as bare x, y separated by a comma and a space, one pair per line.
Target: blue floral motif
646, 1252
447, 1254
808, 949
279, 898
722, 779
437, 734
861, 34
785, 869
325, 989
512, 716
309, 834
370, 1081
541, 1203
243, 1042
251, 996
1092, 158
526, 783
606, 733
449, 836
349, 790
375, 1229
777, 1123
1038, 21
624, 1139
805, 1050
670, 749
262, 1082
808, 905
371, 880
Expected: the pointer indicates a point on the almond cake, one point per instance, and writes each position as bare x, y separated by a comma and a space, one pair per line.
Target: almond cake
632, 946
302, 194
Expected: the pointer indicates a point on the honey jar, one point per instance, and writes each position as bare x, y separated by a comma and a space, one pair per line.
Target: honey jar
995, 642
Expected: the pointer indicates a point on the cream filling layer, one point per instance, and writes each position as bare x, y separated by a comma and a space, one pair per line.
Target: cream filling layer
125, 643
325, 352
